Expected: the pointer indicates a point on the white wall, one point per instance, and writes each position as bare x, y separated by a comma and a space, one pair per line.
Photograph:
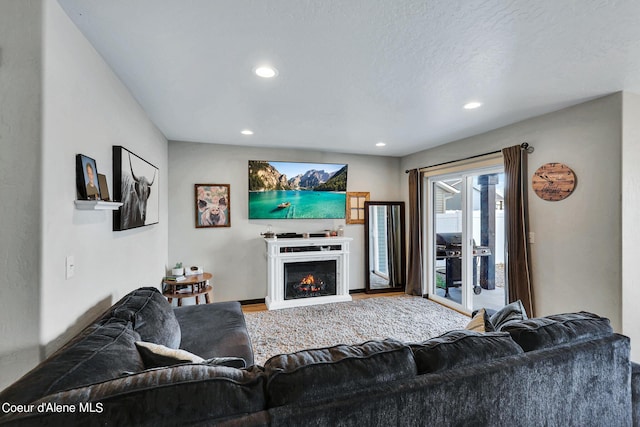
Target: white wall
20, 177
236, 255
631, 220
576, 258
87, 110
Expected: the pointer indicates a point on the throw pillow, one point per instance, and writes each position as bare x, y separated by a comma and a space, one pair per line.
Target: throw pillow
461, 348
480, 322
156, 356
513, 312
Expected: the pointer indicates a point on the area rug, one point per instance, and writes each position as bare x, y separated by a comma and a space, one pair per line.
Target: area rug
406, 318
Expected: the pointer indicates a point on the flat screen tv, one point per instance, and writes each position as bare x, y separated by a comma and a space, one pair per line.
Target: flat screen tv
295, 190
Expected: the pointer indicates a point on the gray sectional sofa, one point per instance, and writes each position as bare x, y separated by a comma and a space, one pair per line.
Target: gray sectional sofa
563, 370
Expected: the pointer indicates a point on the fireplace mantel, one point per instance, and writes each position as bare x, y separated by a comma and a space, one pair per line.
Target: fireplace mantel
294, 250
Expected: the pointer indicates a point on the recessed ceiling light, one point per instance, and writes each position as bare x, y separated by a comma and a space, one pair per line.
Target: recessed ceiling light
266, 71
472, 105
380, 144
246, 132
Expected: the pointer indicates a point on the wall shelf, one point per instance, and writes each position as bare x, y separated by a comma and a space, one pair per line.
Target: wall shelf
97, 205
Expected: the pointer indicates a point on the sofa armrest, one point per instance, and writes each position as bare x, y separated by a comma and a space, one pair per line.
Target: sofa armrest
635, 392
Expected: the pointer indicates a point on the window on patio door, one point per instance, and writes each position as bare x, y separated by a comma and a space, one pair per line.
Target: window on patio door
465, 234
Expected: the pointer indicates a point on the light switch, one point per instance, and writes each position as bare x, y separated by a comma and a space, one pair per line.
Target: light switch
71, 267
532, 237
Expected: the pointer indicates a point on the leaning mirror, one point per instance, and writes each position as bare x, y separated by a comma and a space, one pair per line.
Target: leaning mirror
384, 246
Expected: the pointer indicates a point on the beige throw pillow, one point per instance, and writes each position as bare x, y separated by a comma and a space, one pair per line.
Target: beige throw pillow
480, 322
156, 355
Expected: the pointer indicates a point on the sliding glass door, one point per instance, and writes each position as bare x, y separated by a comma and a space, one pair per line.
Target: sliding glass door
465, 237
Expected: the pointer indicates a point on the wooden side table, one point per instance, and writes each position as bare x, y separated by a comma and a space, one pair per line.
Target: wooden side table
193, 286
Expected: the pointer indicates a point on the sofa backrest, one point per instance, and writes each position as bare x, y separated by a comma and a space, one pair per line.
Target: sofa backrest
455, 349
178, 395
324, 373
557, 329
150, 315
104, 351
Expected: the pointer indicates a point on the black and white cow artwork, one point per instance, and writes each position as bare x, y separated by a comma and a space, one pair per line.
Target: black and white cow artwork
135, 194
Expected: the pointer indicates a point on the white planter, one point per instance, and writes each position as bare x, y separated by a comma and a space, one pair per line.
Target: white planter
177, 271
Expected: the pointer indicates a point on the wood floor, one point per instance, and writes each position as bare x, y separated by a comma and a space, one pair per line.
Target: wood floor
252, 308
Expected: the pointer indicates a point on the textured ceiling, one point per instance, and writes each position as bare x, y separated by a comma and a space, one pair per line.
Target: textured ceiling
355, 72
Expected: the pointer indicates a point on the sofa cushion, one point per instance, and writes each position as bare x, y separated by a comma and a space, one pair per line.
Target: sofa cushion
151, 316
215, 330
178, 395
156, 355
324, 373
103, 352
480, 322
513, 312
460, 348
544, 332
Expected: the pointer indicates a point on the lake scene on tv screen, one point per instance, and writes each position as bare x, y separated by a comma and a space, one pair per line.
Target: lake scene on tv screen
296, 190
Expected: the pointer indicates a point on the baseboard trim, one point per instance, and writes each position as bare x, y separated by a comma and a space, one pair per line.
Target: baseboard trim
252, 301
357, 291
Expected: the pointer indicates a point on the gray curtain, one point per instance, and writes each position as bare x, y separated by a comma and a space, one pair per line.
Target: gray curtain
517, 266
414, 272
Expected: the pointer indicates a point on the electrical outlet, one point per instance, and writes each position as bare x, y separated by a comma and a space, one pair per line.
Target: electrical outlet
71, 267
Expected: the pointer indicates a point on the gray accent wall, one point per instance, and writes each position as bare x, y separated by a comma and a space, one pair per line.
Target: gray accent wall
631, 220
59, 98
87, 110
576, 257
236, 255
20, 185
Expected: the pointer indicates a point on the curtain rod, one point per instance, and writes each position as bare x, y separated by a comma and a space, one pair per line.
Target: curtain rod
524, 146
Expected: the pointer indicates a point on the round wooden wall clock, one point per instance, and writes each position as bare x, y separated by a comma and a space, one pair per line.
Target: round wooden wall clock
554, 181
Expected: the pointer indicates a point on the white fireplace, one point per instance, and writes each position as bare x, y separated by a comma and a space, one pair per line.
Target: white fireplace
307, 271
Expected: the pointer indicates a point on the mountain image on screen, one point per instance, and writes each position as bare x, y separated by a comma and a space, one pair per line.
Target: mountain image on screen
287, 190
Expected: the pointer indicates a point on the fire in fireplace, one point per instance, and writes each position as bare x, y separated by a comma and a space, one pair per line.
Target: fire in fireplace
309, 279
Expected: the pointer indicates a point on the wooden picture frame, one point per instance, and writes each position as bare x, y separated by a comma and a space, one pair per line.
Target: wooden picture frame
136, 185
213, 205
87, 178
104, 188
355, 206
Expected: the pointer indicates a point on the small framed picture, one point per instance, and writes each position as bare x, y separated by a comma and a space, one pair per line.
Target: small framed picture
212, 205
355, 206
104, 187
87, 178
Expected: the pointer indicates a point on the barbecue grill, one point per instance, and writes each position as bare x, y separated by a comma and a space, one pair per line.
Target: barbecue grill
449, 249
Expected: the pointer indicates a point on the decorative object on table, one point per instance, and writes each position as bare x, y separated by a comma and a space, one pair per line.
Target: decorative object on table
87, 178
355, 206
104, 188
135, 183
275, 190
177, 270
554, 181
193, 270
269, 234
213, 206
